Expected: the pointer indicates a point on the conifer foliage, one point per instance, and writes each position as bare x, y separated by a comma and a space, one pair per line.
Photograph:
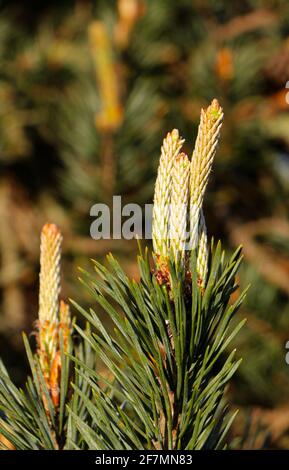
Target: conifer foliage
167, 358
37, 418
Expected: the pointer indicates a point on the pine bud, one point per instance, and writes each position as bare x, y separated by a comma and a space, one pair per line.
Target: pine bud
170, 149
179, 207
50, 256
202, 160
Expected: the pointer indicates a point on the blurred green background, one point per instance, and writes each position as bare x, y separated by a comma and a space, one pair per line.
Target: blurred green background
88, 90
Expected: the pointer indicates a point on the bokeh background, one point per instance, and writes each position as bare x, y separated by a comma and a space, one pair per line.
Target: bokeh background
88, 89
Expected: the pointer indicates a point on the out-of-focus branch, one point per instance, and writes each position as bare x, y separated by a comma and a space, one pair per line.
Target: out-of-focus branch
13, 300
260, 18
274, 269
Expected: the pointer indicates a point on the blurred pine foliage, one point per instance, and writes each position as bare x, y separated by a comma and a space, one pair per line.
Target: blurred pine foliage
86, 92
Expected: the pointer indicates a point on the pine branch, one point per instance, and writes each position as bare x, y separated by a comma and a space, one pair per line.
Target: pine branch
168, 359
168, 354
167, 382
37, 417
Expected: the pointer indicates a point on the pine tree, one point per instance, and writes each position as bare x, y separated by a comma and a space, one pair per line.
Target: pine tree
167, 356
63, 136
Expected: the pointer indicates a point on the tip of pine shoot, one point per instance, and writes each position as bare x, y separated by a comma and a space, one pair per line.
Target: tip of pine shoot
175, 134
50, 229
214, 111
